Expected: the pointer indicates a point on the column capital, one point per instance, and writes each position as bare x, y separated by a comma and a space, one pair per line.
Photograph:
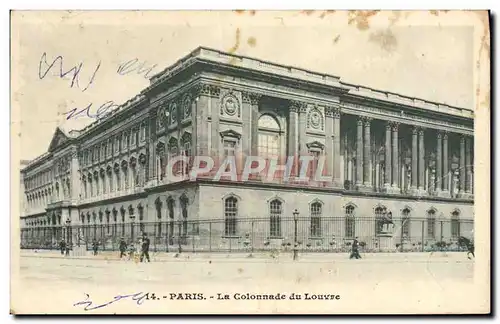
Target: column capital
414, 130
360, 121
462, 139
366, 120
439, 134
332, 111
394, 125
445, 135
421, 131
255, 98
200, 89
298, 106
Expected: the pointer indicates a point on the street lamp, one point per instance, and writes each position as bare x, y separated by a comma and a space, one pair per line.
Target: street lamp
132, 221
295, 218
68, 234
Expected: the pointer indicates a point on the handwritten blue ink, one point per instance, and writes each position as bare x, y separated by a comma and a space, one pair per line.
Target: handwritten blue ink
85, 112
134, 65
139, 298
75, 70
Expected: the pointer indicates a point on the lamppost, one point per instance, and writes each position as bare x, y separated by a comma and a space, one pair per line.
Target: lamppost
295, 247
132, 221
68, 234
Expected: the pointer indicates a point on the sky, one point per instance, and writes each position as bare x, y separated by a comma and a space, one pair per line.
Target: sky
429, 56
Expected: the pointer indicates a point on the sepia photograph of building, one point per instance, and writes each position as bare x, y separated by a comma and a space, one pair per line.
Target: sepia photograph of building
389, 157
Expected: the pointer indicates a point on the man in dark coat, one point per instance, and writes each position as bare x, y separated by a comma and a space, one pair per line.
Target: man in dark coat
95, 246
355, 250
62, 246
145, 248
123, 247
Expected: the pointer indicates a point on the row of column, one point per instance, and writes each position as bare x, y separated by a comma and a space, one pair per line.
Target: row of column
418, 167
112, 182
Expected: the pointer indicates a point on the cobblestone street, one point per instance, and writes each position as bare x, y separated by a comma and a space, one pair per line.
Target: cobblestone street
54, 284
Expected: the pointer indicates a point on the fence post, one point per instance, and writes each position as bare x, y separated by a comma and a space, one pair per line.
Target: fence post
252, 238
179, 238
441, 234
402, 226
167, 238
210, 236
423, 232
192, 234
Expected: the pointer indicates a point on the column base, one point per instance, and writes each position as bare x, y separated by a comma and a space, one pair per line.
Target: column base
364, 188
444, 194
386, 243
391, 190
465, 195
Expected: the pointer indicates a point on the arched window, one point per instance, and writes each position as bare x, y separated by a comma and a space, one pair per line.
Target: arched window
431, 223
316, 211
230, 216
269, 137
350, 225
455, 224
275, 213
405, 223
379, 219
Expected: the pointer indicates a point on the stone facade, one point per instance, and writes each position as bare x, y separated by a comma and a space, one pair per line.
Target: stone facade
381, 149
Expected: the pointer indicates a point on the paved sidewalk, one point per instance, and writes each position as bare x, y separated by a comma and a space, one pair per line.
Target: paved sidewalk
260, 256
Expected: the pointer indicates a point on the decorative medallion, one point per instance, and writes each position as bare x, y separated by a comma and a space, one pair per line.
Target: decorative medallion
230, 105
187, 107
315, 119
173, 113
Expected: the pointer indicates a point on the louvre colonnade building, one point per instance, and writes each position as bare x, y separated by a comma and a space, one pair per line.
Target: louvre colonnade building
385, 154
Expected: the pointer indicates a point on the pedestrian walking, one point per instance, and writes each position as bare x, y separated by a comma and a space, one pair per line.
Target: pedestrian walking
145, 248
95, 246
62, 246
123, 247
355, 250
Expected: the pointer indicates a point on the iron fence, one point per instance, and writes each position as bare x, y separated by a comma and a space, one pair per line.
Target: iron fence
326, 234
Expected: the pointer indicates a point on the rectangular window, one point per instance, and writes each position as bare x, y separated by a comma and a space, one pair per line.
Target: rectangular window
117, 144
133, 137
143, 132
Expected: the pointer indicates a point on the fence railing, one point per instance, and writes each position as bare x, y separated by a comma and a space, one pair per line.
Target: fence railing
325, 234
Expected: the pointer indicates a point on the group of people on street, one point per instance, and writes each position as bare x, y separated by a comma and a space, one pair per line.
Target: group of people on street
137, 252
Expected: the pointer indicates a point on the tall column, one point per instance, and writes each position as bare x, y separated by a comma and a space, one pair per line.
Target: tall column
421, 161
151, 146
439, 163
293, 134
462, 167
388, 157
329, 153
468, 164
202, 107
254, 122
395, 156
414, 159
367, 154
446, 178
337, 181
359, 153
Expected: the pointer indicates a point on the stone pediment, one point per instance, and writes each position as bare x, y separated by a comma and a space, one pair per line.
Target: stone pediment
315, 145
230, 134
58, 139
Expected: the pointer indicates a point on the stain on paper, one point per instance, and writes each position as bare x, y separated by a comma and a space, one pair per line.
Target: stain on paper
252, 41
360, 18
236, 43
385, 39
